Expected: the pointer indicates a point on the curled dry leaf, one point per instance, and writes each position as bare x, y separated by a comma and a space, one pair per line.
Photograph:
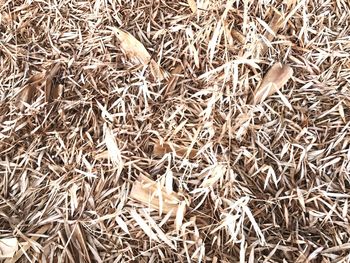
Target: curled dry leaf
276, 78
160, 149
137, 52
147, 192
8, 247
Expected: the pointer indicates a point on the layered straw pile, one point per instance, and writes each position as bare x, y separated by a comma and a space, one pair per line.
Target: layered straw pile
174, 131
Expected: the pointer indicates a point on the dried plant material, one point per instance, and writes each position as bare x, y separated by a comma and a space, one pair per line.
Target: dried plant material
162, 149
102, 155
271, 30
193, 5
113, 149
114, 152
8, 247
137, 52
28, 245
275, 79
143, 224
149, 193
238, 36
172, 81
79, 238
28, 91
159, 231
181, 210
213, 43
52, 91
157, 71
122, 224
42, 81
234, 181
191, 47
214, 175
132, 47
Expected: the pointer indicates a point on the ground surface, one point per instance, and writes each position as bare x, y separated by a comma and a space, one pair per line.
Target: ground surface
96, 94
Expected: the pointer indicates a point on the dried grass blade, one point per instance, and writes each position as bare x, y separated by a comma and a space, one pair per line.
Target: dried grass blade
215, 174
160, 233
145, 227
122, 224
112, 147
25, 247
146, 192
180, 213
79, 237
271, 30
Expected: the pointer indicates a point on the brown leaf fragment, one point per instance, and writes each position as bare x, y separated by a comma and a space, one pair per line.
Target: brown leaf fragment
132, 47
238, 36
275, 79
51, 90
8, 247
157, 71
161, 149
193, 5
147, 192
28, 91
172, 81
137, 52
56, 92
41, 81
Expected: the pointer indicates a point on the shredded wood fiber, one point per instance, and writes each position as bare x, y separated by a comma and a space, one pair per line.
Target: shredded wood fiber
175, 131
